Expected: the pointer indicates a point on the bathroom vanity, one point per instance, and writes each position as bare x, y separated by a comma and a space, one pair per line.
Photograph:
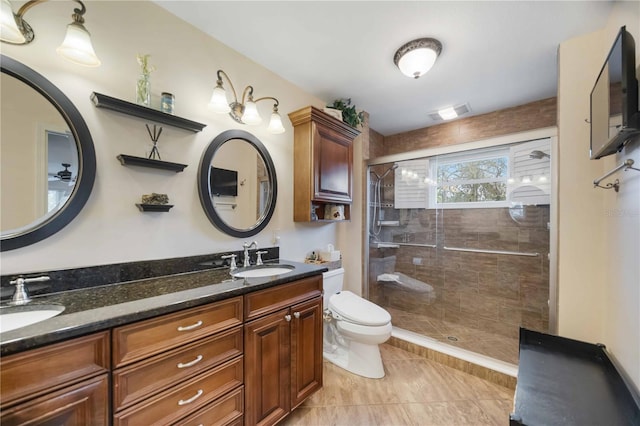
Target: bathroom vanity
192, 348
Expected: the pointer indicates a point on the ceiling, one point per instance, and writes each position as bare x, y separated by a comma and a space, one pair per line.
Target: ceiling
496, 54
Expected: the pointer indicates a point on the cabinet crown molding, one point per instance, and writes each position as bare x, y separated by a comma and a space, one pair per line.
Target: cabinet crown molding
311, 113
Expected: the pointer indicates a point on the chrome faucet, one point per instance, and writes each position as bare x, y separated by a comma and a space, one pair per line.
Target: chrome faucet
246, 247
20, 296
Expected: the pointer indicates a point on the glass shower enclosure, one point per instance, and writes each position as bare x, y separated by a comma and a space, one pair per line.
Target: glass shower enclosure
459, 245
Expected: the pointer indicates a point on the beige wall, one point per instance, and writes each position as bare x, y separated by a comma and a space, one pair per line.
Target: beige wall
599, 230
110, 228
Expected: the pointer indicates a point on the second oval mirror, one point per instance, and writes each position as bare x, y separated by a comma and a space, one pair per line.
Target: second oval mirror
237, 184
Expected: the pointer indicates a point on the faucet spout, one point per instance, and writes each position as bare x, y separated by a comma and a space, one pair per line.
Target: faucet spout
246, 247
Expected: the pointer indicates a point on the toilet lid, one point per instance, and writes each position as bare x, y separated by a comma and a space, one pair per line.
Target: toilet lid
358, 310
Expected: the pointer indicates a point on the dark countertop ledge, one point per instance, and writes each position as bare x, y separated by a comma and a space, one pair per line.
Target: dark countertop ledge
101, 308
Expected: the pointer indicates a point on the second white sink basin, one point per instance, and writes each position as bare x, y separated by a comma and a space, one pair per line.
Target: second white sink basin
262, 271
14, 317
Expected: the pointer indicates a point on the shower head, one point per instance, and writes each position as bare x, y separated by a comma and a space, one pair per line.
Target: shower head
382, 176
538, 155
393, 167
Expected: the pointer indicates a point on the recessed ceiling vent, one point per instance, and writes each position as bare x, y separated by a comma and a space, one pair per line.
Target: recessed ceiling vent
460, 110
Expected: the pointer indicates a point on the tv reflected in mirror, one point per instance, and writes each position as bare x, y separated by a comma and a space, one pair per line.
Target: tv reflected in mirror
223, 182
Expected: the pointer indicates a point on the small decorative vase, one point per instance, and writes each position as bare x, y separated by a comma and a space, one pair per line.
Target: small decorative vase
143, 90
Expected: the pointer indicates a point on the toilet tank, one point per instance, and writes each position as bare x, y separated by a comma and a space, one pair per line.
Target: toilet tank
332, 283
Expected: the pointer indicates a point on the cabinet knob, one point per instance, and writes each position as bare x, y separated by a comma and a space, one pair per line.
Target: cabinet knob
296, 314
287, 318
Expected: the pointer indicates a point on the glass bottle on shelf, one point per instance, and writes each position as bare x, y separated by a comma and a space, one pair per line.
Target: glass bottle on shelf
143, 90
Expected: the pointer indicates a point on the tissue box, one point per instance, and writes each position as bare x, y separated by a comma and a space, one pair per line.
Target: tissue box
330, 256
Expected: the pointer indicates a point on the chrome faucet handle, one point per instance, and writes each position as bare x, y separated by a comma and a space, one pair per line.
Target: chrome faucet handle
20, 296
259, 254
232, 266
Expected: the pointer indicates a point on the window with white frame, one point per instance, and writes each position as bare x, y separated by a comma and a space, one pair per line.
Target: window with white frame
471, 179
490, 177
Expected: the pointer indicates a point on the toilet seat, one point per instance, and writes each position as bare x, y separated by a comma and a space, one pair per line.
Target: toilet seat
355, 309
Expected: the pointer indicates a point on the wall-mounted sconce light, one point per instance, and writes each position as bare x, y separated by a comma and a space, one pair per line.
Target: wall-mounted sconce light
246, 111
76, 46
417, 57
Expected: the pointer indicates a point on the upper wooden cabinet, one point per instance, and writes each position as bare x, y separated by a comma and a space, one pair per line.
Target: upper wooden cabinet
323, 163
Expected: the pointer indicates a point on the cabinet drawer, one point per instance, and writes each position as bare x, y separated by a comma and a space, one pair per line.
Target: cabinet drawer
225, 411
85, 403
137, 381
35, 372
183, 399
146, 338
282, 296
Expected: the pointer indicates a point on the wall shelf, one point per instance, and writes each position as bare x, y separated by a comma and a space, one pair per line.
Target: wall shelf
130, 160
129, 108
154, 207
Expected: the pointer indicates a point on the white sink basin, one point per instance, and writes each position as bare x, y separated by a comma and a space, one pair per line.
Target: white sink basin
14, 317
263, 271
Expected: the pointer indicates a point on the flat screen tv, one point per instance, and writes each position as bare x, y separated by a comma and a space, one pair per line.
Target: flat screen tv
614, 99
223, 182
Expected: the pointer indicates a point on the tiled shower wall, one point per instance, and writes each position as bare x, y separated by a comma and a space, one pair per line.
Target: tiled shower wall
495, 293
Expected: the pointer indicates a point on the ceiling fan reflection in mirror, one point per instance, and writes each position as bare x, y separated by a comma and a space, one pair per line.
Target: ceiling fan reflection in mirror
63, 175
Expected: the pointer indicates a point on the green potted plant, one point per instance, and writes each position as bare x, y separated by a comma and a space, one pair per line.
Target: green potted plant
349, 113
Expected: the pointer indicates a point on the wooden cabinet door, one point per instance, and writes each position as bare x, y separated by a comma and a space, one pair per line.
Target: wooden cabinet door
333, 163
267, 371
85, 403
306, 350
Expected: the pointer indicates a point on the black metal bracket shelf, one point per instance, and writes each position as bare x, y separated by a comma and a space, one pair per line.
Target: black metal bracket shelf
154, 207
129, 108
130, 160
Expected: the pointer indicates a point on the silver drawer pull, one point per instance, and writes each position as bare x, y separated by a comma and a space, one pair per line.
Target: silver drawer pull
190, 363
193, 398
190, 327
296, 314
287, 318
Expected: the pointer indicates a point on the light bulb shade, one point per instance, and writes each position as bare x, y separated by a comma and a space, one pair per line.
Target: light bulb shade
250, 115
416, 58
218, 102
77, 46
9, 31
275, 124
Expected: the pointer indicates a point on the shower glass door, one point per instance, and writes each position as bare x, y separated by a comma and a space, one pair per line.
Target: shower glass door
459, 243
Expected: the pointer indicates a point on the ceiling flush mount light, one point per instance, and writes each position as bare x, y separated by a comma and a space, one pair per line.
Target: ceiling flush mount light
418, 56
245, 111
76, 46
447, 113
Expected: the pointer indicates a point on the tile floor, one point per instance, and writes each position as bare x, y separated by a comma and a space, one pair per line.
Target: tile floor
415, 391
483, 342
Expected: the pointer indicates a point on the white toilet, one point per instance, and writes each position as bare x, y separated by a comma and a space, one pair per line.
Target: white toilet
353, 329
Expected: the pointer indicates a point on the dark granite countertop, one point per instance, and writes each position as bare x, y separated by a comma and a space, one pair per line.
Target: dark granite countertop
99, 308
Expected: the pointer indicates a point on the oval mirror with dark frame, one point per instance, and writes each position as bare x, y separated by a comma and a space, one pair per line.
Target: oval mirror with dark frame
237, 184
48, 158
